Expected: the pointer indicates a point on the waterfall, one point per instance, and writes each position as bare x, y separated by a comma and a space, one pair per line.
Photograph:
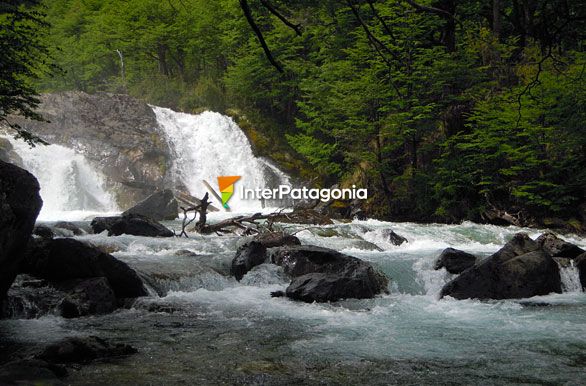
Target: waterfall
570, 277
70, 186
209, 145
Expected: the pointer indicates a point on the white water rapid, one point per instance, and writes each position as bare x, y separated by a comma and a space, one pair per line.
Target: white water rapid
570, 277
71, 188
209, 145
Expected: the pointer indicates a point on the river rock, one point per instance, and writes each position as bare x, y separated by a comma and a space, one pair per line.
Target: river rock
92, 296
454, 260
115, 131
322, 274
20, 204
83, 350
276, 239
394, 238
159, 206
43, 231
65, 259
557, 247
247, 257
130, 224
518, 270
74, 229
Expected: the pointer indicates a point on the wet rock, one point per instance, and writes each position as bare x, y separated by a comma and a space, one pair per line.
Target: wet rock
580, 263
76, 230
31, 372
64, 259
454, 261
43, 231
321, 274
557, 247
518, 270
130, 224
20, 204
247, 256
159, 206
86, 297
276, 239
395, 238
185, 253
83, 350
116, 131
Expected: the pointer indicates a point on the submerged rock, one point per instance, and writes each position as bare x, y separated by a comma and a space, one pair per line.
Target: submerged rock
83, 350
322, 274
64, 259
31, 372
518, 270
454, 261
158, 206
20, 204
130, 224
76, 230
557, 247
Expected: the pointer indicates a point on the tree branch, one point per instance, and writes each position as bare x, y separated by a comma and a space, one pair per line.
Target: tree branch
248, 14
440, 12
273, 10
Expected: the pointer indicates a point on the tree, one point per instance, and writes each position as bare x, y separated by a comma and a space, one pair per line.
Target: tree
23, 58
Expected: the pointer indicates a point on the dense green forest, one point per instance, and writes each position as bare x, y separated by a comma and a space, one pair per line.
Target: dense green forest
446, 110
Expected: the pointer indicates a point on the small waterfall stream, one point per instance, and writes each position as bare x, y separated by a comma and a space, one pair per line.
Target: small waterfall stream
570, 277
209, 145
69, 183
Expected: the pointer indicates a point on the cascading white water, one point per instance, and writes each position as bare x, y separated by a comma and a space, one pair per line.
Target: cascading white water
570, 277
209, 145
70, 186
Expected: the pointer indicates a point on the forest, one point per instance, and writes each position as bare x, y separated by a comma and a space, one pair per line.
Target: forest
445, 110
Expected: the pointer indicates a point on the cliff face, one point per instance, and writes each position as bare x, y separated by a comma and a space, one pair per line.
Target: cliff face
116, 132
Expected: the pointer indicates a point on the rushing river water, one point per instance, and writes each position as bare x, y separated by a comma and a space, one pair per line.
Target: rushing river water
203, 327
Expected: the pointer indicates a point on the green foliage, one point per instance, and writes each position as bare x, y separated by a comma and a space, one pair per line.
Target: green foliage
23, 57
443, 115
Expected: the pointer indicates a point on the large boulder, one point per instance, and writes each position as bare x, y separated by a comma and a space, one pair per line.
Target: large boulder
115, 131
159, 206
518, 270
130, 224
454, 260
20, 204
65, 259
322, 274
557, 247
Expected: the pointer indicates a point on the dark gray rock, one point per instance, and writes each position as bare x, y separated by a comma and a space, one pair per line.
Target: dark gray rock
321, 274
247, 256
159, 206
83, 350
92, 296
115, 131
557, 247
43, 231
20, 204
454, 261
276, 239
518, 270
395, 238
65, 259
130, 224
76, 230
